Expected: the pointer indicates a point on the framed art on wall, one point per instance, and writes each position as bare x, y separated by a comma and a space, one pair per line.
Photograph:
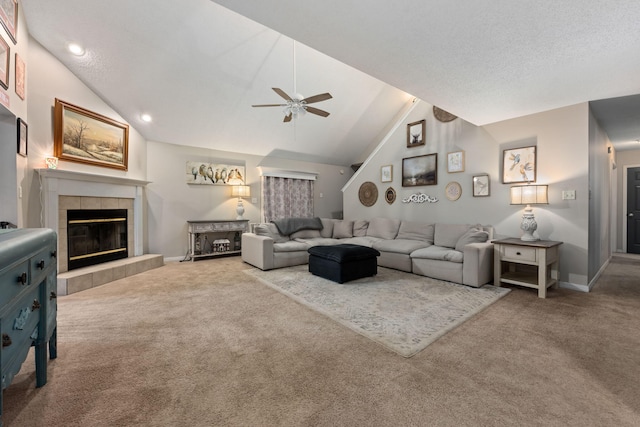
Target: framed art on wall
20, 76
420, 170
9, 17
386, 173
416, 133
82, 136
4, 63
23, 135
481, 185
519, 165
214, 174
455, 162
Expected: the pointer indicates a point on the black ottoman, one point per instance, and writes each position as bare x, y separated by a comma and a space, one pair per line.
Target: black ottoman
342, 263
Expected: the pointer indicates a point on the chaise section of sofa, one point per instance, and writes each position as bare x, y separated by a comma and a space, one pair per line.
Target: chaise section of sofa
460, 253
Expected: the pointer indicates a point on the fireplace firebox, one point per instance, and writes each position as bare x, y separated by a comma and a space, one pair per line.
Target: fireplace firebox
95, 236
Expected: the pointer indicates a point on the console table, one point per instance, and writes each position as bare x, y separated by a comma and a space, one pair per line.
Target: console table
216, 237
543, 255
27, 301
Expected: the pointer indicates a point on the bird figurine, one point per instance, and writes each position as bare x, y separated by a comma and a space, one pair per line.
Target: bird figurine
203, 171
217, 175
210, 174
223, 175
516, 160
524, 169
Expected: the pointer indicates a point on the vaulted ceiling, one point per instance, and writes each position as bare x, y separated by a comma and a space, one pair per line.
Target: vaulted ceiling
197, 66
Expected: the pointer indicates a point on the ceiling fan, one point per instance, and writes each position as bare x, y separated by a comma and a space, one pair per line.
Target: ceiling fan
298, 105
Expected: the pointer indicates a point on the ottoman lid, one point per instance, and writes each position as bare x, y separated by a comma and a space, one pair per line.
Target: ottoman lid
343, 252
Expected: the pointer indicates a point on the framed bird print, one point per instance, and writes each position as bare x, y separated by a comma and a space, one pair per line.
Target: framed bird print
481, 186
204, 173
519, 165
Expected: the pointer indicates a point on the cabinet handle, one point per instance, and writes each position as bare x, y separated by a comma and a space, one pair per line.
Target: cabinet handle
22, 279
6, 340
54, 253
52, 295
35, 305
40, 264
518, 253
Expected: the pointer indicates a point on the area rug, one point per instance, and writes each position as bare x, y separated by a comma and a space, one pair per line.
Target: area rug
402, 311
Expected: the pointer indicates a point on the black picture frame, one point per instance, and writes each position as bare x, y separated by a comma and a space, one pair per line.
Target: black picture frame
420, 170
23, 137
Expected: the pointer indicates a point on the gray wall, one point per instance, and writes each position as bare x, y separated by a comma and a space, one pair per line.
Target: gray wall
172, 202
561, 137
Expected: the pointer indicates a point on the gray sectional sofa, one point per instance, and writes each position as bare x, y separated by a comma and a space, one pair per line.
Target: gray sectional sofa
459, 253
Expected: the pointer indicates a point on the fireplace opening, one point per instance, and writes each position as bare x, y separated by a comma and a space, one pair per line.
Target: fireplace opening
95, 236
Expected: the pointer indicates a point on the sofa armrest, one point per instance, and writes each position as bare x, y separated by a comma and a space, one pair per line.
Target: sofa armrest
257, 250
477, 267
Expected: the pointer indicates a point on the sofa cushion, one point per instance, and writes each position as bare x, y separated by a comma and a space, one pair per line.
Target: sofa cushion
360, 227
438, 253
327, 227
416, 231
384, 228
290, 246
399, 246
342, 229
270, 230
473, 235
362, 241
320, 241
447, 235
305, 234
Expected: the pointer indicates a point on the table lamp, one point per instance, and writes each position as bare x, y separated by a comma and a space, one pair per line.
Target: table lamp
529, 195
240, 191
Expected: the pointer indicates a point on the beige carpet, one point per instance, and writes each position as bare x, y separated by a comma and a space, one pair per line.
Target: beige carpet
401, 311
202, 344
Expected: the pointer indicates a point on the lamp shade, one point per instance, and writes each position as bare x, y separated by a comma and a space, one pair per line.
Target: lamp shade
240, 191
529, 194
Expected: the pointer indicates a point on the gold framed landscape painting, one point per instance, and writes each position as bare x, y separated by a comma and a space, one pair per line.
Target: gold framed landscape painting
9, 17
82, 136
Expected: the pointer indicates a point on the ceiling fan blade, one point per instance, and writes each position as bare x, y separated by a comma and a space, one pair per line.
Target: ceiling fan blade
287, 118
270, 105
282, 93
317, 98
317, 111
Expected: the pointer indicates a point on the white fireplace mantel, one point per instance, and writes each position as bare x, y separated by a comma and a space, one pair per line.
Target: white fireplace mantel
55, 183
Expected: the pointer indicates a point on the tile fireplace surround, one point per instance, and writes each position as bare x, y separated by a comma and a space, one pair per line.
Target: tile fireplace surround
62, 190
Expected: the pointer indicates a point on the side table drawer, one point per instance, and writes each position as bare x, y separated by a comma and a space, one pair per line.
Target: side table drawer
518, 253
17, 279
202, 228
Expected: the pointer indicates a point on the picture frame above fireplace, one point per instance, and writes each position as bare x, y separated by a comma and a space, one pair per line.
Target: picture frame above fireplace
82, 136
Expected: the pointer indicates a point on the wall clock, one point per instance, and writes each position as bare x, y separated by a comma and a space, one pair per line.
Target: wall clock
453, 191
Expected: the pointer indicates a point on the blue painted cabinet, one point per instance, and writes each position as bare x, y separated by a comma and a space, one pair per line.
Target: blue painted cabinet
28, 309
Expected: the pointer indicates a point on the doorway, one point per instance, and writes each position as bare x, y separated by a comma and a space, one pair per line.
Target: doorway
633, 210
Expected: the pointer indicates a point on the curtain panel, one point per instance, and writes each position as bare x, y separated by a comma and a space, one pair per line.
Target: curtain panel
286, 198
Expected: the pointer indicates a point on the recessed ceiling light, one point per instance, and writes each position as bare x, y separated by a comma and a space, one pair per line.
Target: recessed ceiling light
76, 49
146, 118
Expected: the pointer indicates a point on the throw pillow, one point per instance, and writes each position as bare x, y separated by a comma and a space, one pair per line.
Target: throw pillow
360, 227
474, 235
342, 229
270, 230
416, 231
384, 228
327, 227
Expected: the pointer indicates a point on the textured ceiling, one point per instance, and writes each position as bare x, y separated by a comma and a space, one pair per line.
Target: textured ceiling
197, 66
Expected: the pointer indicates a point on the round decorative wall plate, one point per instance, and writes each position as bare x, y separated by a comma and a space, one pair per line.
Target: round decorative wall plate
443, 116
453, 191
390, 195
368, 193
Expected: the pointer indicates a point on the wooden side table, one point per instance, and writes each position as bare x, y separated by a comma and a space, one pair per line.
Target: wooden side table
212, 238
543, 254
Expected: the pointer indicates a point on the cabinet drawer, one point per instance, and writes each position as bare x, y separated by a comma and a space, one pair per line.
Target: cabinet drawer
202, 228
221, 226
20, 326
518, 253
40, 264
12, 282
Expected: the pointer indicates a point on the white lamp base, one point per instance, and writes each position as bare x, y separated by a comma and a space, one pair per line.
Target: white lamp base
239, 209
529, 225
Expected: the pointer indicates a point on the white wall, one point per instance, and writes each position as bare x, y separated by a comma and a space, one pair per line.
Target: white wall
49, 79
172, 202
561, 137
